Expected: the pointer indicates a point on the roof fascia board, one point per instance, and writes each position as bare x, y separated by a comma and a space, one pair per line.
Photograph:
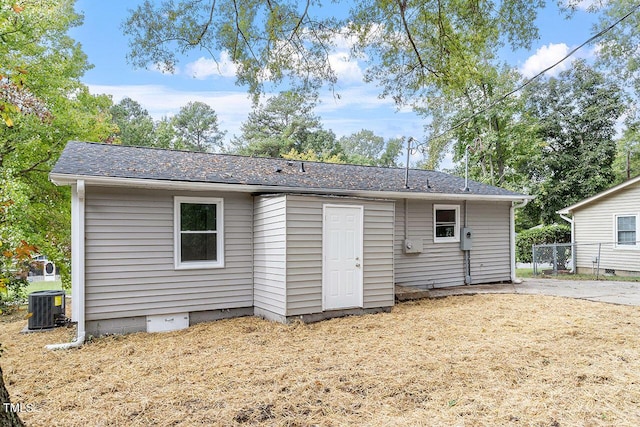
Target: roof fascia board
65, 179
605, 193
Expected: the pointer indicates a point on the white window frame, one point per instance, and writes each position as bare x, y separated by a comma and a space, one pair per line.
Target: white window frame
456, 228
633, 247
177, 249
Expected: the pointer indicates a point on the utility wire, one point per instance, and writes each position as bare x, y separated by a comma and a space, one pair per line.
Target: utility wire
528, 82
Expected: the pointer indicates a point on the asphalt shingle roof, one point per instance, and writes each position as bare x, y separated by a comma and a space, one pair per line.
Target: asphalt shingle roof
116, 161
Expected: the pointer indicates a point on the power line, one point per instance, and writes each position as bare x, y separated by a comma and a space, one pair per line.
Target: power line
528, 82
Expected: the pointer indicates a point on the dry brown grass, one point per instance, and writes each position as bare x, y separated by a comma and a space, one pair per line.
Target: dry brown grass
473, 361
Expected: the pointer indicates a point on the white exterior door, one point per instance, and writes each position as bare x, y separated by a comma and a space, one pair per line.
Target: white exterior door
342, 257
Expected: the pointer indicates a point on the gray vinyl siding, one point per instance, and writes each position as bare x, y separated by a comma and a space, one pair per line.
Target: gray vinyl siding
442, 264
378, 255
491, 250
304, 255
304, 252
129, 267
269, 253
594, 223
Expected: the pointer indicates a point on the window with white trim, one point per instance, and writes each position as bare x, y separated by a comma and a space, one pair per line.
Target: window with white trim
626, 231
446, 223
198, 232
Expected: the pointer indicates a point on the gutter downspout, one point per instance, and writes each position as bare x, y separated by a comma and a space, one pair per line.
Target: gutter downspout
573, 242
467, 255
512, 222
77, 266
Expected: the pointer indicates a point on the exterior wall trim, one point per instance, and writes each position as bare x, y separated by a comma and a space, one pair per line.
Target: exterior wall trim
219, 202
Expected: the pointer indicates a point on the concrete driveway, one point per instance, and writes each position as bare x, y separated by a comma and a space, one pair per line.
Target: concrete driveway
626, 293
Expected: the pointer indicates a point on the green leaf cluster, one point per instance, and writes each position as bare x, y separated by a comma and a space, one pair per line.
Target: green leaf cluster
275, 41
41, 65
555, 233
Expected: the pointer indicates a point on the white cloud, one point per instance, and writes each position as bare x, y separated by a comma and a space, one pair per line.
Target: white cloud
347, 70
545, 57
586, 5
203, 68
548, 55
359, 107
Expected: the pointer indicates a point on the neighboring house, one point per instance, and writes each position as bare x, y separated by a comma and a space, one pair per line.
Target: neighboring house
42, 268
164, 239
605, 230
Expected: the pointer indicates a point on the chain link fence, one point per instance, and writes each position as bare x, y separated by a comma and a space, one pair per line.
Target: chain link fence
598, 259
553, 259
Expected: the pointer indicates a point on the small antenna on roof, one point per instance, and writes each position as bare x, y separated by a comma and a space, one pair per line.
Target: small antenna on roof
302, 167
406, 168
476, 143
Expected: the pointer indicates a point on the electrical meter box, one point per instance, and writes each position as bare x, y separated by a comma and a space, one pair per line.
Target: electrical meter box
413, 246
466, 239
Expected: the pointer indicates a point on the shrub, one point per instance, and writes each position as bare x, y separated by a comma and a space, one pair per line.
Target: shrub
556, 233
14, 267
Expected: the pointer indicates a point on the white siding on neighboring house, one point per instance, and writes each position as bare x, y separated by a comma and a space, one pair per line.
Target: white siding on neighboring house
442, 264
595, 223
269, 254
130, 260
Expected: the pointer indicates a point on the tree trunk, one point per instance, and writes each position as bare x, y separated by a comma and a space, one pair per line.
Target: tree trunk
8, 418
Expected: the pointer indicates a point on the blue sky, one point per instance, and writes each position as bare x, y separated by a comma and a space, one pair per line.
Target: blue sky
358, 108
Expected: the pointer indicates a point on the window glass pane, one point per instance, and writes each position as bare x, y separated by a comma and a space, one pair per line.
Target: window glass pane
626, 230
626, 237
626, 223
197, 217
199, 247
445, 231
445, 215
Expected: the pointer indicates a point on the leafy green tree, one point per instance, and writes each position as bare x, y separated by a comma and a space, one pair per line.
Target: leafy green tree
197, 129
499, 143
414, 48
46, 105
575, 116
165, 134
618, 56
312, 156
408, 45
42, 104
135, 125
627, 162
617, 48
284, 123
366, 148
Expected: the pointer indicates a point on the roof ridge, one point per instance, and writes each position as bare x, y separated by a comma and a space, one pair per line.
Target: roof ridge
175, 150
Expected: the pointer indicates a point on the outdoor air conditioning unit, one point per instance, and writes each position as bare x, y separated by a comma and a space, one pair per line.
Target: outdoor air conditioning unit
47, 309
